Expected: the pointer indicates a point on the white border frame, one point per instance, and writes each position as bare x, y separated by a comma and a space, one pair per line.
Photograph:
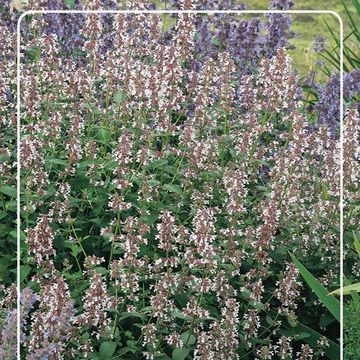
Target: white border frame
160, 12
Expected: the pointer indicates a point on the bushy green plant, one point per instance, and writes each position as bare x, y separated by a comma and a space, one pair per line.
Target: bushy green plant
352, 331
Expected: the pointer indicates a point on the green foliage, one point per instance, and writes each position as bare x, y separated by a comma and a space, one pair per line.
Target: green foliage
70, 3
347, 290
351, 45
107, 349
332, 304
311, 337
7, 234
9, 191
180, 353
352, 331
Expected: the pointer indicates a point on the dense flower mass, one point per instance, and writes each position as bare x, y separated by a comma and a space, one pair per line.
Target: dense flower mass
169, 170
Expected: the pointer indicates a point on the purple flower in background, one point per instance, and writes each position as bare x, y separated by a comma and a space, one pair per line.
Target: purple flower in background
245, 43
352, 86
27, 302
281, 4
176, 4
210, 5
352, 83
66, 26
319, 44
9, 330
278, 32
52, 321
243, 39
7, 20
8, 336
328, 105
278, 28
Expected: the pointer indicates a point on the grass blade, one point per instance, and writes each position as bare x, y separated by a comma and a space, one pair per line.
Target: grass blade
356, 4
331, 303
355, 296
347, 290
356, 243
349, 16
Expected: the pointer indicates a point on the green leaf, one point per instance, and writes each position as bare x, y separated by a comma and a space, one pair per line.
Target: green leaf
355, 296
158, 163
269, 319
149, 219
103, 136
326, 319
173, 188
178, 314
101, 270
94, 356
188, 338
120, 96
161, 356
125, 350
9, 191
301, 336
107, 349
70, 3
357, 244
58, 161
349, 15
84, 164
331, 303
13, 234
24, 272
208, 318
325, 193
180, 353
347, 289
133, 314
153, 182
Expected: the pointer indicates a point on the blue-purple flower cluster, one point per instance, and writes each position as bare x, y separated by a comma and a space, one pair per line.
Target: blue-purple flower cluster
328, 104
247, 40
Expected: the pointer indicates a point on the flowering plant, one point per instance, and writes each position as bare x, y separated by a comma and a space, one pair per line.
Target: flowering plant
168, 168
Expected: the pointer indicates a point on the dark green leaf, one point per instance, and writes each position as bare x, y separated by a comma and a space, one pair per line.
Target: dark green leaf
8, 190
58, 162
107, 349
173, 188
180, 353
24, 272
188, 338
